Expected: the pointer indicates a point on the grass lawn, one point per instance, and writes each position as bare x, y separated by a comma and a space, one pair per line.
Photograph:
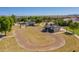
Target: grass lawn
76, 31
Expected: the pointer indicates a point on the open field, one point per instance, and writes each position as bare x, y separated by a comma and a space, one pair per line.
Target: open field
33, 34
33, 39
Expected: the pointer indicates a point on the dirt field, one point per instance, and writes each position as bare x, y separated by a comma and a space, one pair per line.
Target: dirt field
33, 39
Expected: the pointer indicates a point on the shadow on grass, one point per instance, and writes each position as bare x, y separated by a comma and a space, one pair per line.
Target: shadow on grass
1, 36
68, 33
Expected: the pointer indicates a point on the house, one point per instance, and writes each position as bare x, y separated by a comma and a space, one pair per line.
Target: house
51, 28
74, 19
66, 19
30, 23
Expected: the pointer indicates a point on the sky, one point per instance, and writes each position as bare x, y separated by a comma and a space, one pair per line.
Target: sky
30, 11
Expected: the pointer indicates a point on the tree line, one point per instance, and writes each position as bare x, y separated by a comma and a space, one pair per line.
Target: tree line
68, 23
6, 22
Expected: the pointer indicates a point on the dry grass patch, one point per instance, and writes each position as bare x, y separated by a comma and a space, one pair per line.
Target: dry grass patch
10, 44
72, 43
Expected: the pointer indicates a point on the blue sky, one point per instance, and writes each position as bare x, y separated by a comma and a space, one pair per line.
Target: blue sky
19, 11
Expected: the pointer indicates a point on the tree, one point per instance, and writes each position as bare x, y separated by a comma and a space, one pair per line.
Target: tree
0, 24
14, 18
5, 24
73, 26
11, 22
38, 20
22, 20
67, 23
59, 22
